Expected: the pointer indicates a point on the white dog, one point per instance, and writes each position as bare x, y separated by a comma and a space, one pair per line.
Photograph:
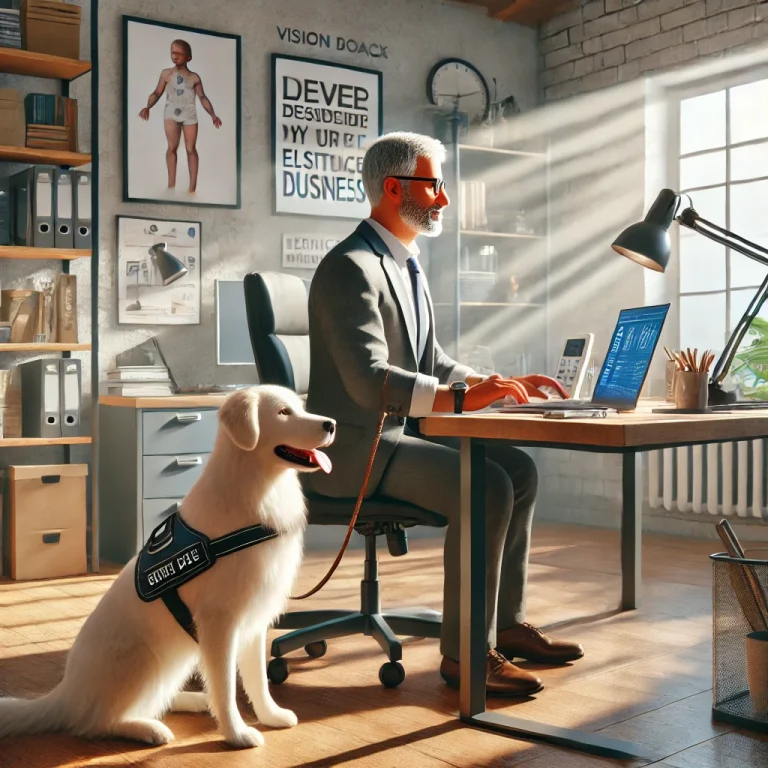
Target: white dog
131, 658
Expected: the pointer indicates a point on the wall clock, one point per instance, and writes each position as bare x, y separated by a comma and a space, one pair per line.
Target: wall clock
455, 81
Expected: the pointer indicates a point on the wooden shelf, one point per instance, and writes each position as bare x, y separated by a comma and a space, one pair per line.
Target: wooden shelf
53, 347
519, 304
25, 252
44, 156
20, 442
508, 235
503, 152
14, 61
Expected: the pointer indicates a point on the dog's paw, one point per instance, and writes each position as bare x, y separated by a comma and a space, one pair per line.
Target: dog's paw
277, 717
157, 734
245, 737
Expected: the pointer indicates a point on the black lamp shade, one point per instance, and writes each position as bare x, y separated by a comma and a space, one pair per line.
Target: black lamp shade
647, 242
168, 265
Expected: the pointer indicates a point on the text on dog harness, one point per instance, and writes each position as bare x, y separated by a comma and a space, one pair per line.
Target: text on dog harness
175, 553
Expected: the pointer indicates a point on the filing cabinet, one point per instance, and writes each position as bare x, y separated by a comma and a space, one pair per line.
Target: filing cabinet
151, 452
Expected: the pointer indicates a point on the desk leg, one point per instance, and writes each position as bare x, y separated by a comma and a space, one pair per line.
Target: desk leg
631, 529
472, 635
473, 645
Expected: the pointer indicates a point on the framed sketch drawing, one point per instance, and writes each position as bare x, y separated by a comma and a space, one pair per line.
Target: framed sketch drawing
323, 117
158, 271
181, 92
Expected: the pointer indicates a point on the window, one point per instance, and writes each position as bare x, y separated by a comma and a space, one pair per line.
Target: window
723, 166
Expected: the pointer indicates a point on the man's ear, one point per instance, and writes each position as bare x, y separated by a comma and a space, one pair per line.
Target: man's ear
239, 416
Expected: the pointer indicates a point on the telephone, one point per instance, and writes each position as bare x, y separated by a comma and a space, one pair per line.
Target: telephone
573, 363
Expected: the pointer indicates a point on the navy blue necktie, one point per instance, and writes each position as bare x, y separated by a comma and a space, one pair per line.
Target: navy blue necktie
420, 304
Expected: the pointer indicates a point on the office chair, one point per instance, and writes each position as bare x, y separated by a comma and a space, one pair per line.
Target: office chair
278, 323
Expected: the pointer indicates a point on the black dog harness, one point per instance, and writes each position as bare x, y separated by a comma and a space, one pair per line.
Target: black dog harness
175, 553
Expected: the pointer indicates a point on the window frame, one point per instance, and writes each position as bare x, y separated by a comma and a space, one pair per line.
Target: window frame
675, 95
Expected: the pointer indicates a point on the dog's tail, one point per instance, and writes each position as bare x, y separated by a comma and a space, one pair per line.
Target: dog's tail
22, 716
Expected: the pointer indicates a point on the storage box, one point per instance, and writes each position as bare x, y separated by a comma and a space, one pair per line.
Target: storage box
12, 121
51, 27
44, 521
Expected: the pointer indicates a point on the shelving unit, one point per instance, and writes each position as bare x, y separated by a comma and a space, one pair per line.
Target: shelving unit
32, 64
506, 314
25, 252
43, 156
14, 61
46, 347
30, 442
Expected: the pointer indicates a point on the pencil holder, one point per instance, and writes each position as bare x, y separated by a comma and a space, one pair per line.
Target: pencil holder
691, 390
740, 639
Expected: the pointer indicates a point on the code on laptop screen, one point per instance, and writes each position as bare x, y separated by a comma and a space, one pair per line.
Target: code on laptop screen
629, 355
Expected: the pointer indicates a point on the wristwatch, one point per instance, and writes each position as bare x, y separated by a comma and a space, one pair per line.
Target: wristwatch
459, 389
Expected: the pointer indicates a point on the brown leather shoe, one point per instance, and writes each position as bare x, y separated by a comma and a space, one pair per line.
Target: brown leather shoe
526, 642
502, 678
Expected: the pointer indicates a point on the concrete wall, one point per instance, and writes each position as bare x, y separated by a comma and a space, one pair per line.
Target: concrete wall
418, 33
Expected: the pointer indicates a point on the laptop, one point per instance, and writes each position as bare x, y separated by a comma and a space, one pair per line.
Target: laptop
625, 367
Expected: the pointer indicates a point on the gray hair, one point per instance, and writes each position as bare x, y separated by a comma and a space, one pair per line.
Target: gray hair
395, 154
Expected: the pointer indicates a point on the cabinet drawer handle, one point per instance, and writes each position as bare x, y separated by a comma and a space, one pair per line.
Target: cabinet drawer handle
50, 479
191, 461
51, 538
185, 418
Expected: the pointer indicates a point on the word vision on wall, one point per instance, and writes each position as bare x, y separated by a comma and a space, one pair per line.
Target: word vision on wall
323, 117
323, 40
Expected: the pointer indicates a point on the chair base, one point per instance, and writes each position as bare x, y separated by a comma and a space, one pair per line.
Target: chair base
382, 627
311, 629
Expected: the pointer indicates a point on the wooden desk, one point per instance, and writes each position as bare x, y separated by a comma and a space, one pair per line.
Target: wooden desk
628, 434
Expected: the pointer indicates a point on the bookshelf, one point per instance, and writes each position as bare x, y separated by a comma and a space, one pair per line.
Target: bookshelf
27, 252
489, 272
43, 156
14, 61
47, 347
29, 442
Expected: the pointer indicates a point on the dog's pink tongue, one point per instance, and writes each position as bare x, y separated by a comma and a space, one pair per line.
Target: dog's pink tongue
322, 460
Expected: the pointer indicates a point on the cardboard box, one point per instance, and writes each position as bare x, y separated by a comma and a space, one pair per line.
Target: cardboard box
44, 521
51, 27
12, 120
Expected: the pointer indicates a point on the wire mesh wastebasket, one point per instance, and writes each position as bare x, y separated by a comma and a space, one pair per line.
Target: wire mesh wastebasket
740, 639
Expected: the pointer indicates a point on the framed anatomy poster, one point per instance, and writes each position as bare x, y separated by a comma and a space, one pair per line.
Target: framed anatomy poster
181, 114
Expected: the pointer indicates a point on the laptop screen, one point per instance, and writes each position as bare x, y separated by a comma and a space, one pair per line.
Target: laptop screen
629, 356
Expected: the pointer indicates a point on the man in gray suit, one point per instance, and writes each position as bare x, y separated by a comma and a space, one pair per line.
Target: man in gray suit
370, 313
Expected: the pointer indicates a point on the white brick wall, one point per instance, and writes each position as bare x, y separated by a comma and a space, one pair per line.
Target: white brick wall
604, 42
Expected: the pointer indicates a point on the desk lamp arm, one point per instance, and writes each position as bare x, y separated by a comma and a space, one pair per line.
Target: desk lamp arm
689, 218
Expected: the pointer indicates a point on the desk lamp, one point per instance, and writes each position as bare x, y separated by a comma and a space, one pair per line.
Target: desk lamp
169, 267
648, 244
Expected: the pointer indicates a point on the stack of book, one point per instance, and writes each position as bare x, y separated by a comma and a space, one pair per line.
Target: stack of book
51, 121
139, 381
10, 31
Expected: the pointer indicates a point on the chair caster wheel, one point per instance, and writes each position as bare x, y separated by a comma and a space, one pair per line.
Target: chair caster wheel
278, 670
316, 650
391, 674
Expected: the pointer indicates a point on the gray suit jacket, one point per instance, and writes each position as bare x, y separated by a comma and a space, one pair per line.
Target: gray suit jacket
360, 324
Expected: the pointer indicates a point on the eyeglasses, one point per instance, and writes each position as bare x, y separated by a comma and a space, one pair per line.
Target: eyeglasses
437, 184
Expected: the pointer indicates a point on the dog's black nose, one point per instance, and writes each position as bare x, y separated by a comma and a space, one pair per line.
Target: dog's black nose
329, 427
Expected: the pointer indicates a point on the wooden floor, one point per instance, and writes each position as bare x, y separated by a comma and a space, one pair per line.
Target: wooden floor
646, 675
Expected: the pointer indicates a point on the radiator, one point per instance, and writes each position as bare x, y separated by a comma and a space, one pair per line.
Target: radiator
722, 479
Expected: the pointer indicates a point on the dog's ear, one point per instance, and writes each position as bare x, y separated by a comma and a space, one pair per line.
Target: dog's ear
239, 417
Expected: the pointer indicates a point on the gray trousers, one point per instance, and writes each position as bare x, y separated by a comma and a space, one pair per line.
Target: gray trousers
426, 471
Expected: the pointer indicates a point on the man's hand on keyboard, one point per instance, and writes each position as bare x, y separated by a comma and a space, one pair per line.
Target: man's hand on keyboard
537, 385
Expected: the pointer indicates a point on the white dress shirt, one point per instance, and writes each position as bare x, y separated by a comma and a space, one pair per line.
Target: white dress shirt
424, 391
